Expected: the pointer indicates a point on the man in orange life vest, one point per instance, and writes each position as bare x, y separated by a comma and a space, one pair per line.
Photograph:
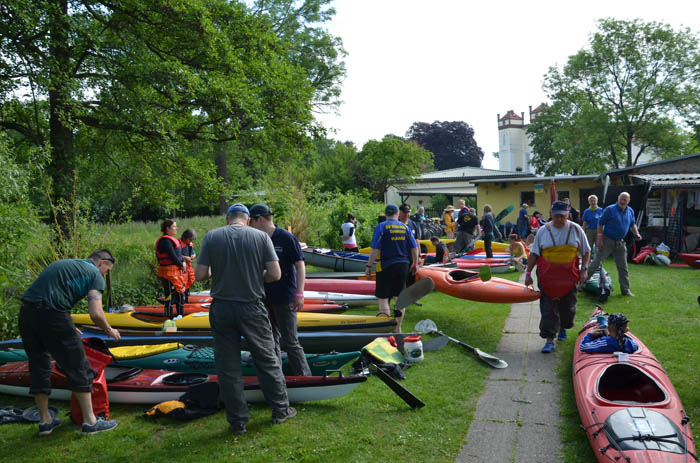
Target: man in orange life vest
171, 268
556, 251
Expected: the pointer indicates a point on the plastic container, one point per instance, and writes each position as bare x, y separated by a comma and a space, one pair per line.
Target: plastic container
413, 349
602, 320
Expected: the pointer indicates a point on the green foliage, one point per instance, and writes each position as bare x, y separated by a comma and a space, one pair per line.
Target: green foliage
439, 202
334, 165
452, 143
362, 207
618, 99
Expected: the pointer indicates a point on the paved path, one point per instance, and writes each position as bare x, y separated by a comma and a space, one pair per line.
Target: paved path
517, 417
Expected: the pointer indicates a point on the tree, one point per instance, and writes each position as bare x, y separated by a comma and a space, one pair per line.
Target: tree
152, 75
619, 98
334, 165
452, 143
383, 163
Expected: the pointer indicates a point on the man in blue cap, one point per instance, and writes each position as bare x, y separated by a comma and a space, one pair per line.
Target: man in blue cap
556, 251
239, 260
393, 242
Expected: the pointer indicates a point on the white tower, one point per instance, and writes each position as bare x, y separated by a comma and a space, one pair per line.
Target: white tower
513, 146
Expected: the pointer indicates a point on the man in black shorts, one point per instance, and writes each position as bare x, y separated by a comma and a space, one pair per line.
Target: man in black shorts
47, 331
399, 255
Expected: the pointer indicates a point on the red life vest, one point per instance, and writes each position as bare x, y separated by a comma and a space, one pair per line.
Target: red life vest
557, 267
164, 257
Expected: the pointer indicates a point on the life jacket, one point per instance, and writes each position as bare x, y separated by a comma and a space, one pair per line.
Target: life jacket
557, 267
199, 400
100, 399
164, 257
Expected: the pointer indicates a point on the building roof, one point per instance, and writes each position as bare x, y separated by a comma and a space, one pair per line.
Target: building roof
533, 178
689, 164
414, 190
511, 115
465, 173
673, 180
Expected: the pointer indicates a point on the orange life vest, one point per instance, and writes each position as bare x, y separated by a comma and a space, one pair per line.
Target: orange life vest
164, 257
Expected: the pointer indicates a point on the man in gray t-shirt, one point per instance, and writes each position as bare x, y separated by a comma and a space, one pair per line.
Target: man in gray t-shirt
239, 260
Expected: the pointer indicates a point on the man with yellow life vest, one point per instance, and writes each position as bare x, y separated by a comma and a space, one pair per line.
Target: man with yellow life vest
394, 243
171, 268
556, 250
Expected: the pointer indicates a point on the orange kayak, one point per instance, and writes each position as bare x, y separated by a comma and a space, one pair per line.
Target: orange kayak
467, 285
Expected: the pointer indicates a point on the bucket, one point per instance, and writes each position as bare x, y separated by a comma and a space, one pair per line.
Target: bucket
413, 349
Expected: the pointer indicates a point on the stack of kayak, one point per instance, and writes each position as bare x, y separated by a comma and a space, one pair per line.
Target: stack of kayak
340, 261
628, 406
467, 285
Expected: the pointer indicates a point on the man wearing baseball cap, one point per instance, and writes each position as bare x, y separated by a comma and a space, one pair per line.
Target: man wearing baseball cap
239, 260
556, 250
393, 242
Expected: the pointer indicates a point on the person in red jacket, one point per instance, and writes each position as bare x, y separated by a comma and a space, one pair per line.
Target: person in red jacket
171, 268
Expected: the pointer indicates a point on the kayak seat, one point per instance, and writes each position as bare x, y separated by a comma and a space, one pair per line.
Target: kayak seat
461, 275
185, 379
628, 384
116, 373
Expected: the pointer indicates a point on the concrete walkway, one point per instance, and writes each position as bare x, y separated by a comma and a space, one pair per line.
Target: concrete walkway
517, 417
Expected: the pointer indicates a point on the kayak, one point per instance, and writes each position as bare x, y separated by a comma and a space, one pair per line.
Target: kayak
341, 261
365, 287
495, 268
467, 285
317, 307
324, 297
313, 342
149, 386
200, 322
693, 260
196, 359
628, 406
429, 246
495, 246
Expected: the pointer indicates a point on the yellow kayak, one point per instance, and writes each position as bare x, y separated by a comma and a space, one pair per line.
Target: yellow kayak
199, 321
427, 243
495, 246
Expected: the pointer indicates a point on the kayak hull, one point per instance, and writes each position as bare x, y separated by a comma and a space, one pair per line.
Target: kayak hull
690, 259
317, 307
363, 287
467, 285
627, 400
339, 261
147, 386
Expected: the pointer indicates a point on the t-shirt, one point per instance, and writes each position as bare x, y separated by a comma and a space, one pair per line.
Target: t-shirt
394, 241
348, 229
467, 221
64, 282
616, 222
543, 239
440, 251
487, 223
237, 255
414, 229
522, 218
592, 217
289, 252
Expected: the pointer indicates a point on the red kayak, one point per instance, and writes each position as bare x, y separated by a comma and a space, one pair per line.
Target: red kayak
316, 307
467, 285
364, 287
628, 406
690, 259
145, 386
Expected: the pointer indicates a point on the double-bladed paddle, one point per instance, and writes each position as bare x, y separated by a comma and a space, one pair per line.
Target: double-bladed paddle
428, 326
414, 292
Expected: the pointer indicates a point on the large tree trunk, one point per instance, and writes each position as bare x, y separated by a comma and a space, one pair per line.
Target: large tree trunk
62, 165
222, 172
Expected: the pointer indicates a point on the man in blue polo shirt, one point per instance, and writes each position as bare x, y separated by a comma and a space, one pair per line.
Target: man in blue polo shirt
394, 243
591, 217
613, 226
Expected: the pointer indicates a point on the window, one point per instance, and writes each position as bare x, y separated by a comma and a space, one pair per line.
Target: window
527, 197
561, 194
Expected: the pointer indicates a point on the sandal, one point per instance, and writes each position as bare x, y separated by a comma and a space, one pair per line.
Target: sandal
382, 314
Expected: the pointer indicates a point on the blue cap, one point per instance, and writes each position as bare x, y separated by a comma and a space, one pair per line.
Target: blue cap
560, 207
391, 209
238, 207
260, 209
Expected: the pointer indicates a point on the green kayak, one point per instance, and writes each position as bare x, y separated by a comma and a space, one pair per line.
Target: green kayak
198, 359
592, 283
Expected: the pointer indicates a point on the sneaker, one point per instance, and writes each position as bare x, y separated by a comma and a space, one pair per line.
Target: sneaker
46, 429
101, 425
562, 335
548, 348
279, 419
238, 429
628, 293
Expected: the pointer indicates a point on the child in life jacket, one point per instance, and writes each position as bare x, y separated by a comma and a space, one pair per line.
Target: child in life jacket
609, 337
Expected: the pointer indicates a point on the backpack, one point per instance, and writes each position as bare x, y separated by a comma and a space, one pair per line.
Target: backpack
199, 400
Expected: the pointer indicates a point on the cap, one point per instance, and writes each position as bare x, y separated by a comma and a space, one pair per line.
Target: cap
238, 207
260, 209
391, 209
560, 207
405, 207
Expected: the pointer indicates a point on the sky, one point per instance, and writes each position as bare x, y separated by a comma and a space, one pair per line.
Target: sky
460, 60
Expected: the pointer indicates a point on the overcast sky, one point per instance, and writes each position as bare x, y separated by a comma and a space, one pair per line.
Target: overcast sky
452, 60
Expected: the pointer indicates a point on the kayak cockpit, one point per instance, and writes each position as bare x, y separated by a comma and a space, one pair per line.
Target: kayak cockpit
628, 384
637, 428
461, 275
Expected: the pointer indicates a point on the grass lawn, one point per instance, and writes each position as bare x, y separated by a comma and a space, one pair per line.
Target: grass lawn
664, 315
371, 424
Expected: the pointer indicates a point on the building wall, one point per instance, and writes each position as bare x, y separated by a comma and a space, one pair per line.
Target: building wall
514, 149
503, 194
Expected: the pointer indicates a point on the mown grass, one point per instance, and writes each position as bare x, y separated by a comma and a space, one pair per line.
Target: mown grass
664, 315
370, 424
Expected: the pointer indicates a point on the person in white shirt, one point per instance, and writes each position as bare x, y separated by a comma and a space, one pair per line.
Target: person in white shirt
347, 233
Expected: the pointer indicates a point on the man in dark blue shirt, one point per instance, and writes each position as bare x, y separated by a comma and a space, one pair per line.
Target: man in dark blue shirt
616, 221
285, 297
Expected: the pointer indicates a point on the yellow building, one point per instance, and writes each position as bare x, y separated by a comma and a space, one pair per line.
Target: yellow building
503, 192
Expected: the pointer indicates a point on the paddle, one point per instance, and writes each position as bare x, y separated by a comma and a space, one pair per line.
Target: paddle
485, 273
428, 326
414, 292
413, 401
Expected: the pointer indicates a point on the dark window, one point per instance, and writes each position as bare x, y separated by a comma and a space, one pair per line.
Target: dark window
527, 197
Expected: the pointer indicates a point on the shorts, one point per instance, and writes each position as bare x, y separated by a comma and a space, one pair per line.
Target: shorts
391, 281
48, 333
